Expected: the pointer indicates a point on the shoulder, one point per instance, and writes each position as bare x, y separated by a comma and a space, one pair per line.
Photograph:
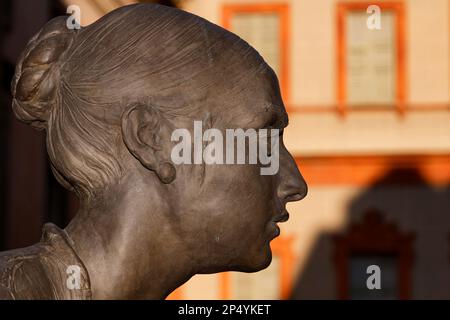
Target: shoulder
5, 293
40, 272
22, 275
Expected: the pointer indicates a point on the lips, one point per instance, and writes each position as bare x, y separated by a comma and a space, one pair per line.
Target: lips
282, 217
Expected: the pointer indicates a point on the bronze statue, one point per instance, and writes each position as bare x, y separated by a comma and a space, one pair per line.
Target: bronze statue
109, 96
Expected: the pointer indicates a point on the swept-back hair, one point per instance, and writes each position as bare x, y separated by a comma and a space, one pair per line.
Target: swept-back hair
76, 84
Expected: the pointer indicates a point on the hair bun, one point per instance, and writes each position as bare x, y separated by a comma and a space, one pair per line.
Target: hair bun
37, 76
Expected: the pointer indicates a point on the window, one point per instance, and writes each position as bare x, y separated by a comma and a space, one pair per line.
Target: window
371, 68
265, 27
373, 242
358, 276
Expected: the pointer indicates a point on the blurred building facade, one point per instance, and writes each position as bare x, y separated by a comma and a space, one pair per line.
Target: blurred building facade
370, 130
367, 88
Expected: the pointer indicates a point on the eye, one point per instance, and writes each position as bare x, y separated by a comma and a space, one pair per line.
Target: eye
269, 144
272, 123
269, 134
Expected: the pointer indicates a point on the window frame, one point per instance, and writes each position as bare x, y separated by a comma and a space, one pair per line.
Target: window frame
281, 9
398, 8
374, 235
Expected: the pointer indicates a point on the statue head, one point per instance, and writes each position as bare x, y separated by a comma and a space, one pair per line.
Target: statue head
110, 97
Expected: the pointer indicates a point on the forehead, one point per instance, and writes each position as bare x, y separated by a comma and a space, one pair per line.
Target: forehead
255, 100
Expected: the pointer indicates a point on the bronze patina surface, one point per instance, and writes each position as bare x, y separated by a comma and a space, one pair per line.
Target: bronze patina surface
109, 96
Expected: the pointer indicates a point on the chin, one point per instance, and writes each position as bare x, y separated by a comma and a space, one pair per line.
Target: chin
257, 261
254, 260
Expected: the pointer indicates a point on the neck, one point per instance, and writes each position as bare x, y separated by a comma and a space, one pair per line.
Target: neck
128, 245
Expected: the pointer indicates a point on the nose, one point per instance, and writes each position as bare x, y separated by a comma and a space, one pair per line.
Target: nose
292, 186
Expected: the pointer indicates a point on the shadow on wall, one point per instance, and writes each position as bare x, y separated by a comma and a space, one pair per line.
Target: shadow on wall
411, 209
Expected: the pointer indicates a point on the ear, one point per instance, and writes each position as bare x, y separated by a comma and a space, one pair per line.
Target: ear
144, 130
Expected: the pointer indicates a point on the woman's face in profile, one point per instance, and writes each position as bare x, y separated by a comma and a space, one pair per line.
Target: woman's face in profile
228, 213
141, 210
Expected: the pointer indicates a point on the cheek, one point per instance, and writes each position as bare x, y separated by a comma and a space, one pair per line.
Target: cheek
244, 203
230, 207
